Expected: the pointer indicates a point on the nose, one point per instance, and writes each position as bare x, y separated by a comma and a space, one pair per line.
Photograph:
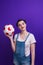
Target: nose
22, 27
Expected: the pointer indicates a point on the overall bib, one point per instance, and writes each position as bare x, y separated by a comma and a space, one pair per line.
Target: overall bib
19, 55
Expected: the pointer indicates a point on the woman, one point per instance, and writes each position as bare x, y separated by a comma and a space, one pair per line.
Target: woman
22, 45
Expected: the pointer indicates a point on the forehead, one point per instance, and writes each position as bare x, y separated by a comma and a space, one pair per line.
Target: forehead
20, 22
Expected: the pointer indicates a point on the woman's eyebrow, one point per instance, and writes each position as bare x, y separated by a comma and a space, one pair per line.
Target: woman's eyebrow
19, 24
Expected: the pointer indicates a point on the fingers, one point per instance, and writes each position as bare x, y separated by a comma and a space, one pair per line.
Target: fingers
7, 35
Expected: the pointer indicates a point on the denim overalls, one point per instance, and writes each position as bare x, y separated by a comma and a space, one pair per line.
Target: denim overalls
19, 55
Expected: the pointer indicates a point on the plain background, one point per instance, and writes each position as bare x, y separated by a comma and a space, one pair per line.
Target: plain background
10, 12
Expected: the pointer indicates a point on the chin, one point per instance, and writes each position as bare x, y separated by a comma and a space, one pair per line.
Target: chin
23, 30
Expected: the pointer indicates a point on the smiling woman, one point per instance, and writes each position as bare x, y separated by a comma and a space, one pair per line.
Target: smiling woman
22, 45
21, 24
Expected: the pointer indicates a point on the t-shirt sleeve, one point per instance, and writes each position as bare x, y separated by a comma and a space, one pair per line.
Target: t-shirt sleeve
15, 36
32, 39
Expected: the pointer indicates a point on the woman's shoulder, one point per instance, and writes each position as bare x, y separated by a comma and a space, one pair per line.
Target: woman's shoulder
16, 34
31, 34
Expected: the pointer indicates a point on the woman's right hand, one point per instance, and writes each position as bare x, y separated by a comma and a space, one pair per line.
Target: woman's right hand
9, 36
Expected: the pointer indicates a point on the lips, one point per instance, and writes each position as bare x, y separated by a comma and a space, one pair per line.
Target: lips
22, 27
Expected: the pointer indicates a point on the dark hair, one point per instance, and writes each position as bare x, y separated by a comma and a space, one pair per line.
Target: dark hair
19, 21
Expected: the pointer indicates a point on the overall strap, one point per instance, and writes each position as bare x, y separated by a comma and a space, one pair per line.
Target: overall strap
27, 36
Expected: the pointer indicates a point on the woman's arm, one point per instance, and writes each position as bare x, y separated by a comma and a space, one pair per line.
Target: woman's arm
13, 43
32, 47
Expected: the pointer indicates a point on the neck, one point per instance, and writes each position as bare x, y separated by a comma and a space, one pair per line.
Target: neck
23, 32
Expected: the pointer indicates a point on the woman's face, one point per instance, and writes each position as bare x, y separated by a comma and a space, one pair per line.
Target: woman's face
22, 25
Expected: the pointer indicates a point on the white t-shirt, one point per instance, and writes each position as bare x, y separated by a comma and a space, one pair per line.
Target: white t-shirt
30, 40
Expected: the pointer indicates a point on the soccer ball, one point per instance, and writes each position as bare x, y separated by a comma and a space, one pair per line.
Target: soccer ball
9, 29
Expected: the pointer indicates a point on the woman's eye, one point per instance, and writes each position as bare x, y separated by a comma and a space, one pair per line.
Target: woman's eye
19, 25
23, 23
